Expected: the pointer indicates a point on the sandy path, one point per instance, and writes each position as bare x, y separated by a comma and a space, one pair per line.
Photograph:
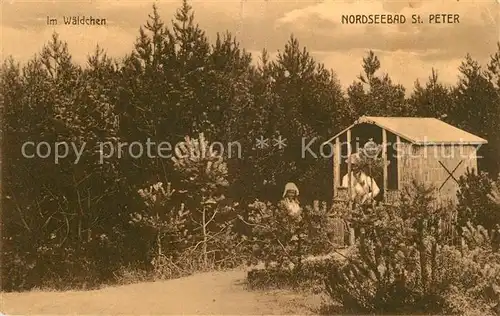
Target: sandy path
216, 293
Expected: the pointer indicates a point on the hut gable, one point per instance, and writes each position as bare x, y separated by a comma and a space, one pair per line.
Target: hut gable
420, 130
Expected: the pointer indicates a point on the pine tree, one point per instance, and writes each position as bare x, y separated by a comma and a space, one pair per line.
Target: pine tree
494, 76
432, 100
192, 43
477, 110
302, 101
376, 95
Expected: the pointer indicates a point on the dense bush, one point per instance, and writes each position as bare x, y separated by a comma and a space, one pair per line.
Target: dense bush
283, 241
475, 204
400, 264
471, 276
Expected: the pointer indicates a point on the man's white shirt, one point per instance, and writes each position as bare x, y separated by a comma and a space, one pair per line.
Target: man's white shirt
363, 189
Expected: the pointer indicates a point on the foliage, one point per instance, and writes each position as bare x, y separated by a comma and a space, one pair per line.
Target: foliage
283, 241
203, 173
297, 99
432, 100
400, 264
62, 206
473, 274
163, 222
376, 95
370, 164
66, 223
494, 196
474, 202
191, 228
476, 104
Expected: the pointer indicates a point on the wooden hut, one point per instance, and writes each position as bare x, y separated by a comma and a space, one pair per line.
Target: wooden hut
425, 149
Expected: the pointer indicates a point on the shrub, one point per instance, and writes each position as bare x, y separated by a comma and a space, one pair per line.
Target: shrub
474, 202
494, 196
469, 280
401, 265
162, 224
212, 217
191, 228
282, 240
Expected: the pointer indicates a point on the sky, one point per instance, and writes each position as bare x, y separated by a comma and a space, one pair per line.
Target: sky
406, 51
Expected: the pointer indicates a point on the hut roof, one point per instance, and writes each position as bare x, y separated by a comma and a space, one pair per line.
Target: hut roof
420, 130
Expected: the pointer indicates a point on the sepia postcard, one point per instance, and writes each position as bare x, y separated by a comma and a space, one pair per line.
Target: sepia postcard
250, 157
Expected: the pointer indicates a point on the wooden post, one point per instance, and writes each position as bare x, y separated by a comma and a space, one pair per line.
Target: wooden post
336, 167
384, 159
399, 160
349, 177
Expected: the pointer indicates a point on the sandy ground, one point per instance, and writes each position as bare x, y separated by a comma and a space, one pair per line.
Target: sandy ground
214, 293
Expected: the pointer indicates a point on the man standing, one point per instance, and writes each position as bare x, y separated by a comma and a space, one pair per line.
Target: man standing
363, 191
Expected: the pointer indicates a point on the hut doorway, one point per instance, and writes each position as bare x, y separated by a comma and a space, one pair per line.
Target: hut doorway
362, 134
